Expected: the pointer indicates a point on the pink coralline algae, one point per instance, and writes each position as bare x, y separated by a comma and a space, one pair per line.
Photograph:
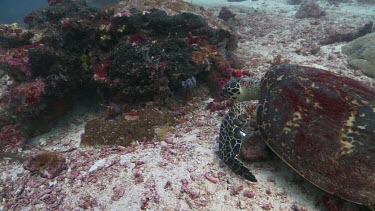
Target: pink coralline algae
223, 74
211, 178
125, 12
48, 164
18, 61
21, 97
249, 194
11, 138
100, 72
30, 91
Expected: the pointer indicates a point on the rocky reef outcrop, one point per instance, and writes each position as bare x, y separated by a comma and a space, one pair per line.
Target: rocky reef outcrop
361, 54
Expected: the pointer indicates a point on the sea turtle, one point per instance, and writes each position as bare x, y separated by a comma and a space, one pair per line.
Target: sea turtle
321, 124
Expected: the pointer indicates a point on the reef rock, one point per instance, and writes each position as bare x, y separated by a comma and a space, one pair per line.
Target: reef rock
309, 9
171, 7
361, 54
131, 51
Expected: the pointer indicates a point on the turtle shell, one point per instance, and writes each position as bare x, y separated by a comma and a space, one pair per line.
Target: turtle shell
323, 126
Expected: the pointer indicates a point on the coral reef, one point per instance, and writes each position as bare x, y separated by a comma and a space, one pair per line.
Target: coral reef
172, 7
47, 164
224, 70
125, 53
16, 63
157, 62
12, 36
47, 67
24, 96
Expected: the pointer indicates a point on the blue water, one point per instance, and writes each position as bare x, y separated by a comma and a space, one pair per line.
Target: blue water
14, 10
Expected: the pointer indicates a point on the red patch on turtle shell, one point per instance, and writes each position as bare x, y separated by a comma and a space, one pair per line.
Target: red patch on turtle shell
322, 125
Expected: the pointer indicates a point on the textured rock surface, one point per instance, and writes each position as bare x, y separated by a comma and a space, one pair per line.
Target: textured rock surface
309, 9
361, 54
132, 53
171, 7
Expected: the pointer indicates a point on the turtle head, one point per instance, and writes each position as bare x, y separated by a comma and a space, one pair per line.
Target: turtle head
241, 89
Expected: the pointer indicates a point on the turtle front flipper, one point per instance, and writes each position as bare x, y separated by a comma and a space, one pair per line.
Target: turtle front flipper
234, 129
238, 168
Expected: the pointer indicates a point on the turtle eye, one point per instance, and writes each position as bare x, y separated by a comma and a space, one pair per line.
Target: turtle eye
233, 84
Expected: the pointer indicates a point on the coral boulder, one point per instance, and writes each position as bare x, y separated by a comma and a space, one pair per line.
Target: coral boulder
361, 54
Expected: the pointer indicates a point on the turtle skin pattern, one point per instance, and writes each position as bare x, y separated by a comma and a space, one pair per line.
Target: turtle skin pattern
235, 128
236, 125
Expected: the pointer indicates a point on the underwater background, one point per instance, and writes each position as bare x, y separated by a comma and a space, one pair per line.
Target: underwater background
14, 11
118, 105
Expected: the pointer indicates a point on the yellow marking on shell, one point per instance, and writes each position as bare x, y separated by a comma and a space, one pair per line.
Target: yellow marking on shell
316, 105
280, 78
355, 102
351, 119
297, 116
292, 124
362, 127
365, 102
346, 147
287, 130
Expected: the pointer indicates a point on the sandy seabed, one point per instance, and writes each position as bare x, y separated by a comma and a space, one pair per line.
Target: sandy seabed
184, 172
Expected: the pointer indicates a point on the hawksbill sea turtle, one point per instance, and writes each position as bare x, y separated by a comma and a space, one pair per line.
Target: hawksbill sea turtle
319, 123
